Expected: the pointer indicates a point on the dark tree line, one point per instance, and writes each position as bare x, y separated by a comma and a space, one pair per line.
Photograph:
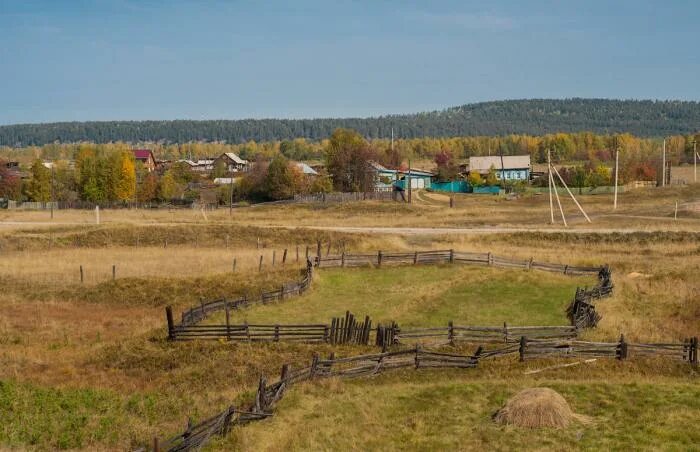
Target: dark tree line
531, 117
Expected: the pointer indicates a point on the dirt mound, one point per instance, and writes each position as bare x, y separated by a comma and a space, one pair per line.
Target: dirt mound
537, 408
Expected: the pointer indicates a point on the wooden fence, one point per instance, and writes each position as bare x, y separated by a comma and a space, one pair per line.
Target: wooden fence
530, 348
197, 435
581, 312
344, 197
484, 334
267, 395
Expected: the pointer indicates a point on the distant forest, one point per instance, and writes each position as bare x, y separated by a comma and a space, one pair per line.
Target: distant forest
643, 118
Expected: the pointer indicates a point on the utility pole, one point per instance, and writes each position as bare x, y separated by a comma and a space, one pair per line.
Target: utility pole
549, 174
695, 162
53, 190
503, 169
617, 166
663, 165
230, 199
408, 182
392, 138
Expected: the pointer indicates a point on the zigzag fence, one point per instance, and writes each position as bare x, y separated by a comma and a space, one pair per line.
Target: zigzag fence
528, 342
196, 435
581, 311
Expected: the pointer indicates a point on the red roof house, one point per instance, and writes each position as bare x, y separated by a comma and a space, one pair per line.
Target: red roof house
146, 157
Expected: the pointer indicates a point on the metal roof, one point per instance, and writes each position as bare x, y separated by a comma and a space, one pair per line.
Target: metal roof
484, 163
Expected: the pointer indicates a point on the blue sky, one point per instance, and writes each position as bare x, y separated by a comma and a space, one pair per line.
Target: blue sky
66, 60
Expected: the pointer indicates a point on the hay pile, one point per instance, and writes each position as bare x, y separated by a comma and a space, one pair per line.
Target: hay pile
537, 408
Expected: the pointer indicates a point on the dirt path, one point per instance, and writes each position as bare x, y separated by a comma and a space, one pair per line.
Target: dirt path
472, 231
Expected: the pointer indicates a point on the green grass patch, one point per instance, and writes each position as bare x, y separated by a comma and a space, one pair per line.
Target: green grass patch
427, 296
53, 418
455, 414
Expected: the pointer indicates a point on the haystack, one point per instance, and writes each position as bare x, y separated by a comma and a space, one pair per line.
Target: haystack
537, 408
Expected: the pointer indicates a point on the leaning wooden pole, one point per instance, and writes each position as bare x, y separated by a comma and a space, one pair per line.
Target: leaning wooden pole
572, 195
556, 193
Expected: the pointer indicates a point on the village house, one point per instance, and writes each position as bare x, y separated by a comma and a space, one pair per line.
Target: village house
233, 162
306, 169
508, 167
199, 166
145, 156
386, 178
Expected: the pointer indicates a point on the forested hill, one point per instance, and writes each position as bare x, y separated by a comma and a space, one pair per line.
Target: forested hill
533, 117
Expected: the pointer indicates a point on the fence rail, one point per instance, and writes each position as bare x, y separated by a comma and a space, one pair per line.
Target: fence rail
345, 197
581, 311
196, 435
532, 349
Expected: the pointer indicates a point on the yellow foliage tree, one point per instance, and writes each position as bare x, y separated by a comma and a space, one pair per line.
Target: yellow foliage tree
125, 177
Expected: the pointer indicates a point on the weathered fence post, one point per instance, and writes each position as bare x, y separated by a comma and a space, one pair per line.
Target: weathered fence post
450, 333
342, 259
452, 202
228, 320
529, 264
81, 274
522, 348
188, 430
307, 253
260, 264
505, 332
277, 333
227, 241
201, 304
114, 272
274, 255
621, 351
297, 253
415, 258
314, 366
694, 351
318, 253
260, 402
284, 256
417, 361
156, 446
379, 258
452, 256
247, 330
171, 323
566, 269
234, 265
282, 292
490, 258
328, 250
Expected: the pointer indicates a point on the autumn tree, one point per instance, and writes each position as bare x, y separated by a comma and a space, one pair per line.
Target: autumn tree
39, 186
279, 181
92, 175
321, 184
446, 168
123, 180
491, 178
10, 183
168, 187
475, 179
348, 157
148, 189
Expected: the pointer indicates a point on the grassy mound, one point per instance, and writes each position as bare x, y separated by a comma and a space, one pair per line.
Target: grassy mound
537, 408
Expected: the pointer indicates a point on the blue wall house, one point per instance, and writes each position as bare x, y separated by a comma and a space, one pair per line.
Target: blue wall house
512, 168
386, 178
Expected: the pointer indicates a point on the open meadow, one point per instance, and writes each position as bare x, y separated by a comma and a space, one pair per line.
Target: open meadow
88, 364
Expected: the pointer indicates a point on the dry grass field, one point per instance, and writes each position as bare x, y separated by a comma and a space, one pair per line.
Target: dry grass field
87, 365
